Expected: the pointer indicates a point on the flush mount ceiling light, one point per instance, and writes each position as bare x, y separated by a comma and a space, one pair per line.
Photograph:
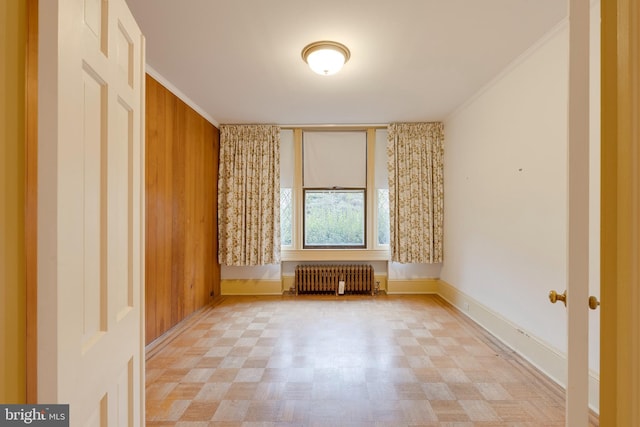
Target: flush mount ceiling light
325, 57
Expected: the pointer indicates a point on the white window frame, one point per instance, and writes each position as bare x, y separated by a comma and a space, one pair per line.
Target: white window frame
373, 251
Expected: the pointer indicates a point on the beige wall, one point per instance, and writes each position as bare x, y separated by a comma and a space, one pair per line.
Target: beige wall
12, 262
506, 163
506, 205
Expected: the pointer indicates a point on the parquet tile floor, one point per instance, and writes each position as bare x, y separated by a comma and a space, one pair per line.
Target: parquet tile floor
355, 361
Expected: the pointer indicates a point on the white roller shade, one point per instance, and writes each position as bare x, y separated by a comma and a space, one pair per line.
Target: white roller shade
335, 159
381, 173
287, 161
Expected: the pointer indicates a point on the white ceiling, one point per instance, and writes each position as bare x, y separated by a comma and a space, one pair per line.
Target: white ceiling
411, 60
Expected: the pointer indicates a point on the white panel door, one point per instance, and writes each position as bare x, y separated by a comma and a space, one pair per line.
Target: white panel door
90, 211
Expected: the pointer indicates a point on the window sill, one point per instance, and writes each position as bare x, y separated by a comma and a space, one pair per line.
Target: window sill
334, 254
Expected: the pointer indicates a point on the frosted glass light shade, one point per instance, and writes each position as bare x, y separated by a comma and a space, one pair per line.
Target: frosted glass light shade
325, 57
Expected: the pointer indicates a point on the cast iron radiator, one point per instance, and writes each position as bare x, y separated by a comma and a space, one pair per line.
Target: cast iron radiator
325, 279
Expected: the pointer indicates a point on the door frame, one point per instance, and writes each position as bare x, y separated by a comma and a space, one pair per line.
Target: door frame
620, 210
31, 202
619, 376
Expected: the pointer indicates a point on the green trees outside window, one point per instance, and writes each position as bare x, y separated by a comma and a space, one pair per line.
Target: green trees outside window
334, 218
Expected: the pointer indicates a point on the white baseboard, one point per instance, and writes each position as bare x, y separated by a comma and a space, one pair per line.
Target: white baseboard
528, 346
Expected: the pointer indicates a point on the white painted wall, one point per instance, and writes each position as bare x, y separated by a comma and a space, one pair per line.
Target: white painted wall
272, 272
505, 188
505, 192
413, 271
261, 272
288, 268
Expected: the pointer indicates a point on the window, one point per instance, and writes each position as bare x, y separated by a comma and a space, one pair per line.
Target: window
287, 162
334, 183
334, 218
333, 193
383, 216
382, 187
286, 217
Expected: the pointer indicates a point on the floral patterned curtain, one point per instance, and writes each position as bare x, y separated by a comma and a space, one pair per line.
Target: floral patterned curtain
416, 191
249, 195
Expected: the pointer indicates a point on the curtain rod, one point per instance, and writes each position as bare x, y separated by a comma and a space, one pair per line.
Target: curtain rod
329, 126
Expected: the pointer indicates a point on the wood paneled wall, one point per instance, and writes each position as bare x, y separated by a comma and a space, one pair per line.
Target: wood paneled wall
182, 270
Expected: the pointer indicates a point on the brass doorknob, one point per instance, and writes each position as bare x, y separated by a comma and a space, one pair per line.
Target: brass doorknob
593, 302
554, 297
